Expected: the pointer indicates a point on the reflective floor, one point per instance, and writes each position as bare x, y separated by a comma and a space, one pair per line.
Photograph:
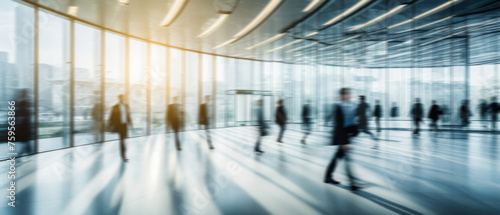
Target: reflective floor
447, 173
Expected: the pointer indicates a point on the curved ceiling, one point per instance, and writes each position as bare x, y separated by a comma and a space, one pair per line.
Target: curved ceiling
372, 33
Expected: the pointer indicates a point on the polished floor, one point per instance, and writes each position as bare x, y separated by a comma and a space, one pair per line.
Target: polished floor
447, 173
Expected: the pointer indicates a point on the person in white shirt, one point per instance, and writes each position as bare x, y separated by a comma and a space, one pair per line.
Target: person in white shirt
119, 122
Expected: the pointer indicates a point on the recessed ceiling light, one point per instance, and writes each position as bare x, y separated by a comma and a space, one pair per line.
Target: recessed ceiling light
73, 10
174, 12
215, 25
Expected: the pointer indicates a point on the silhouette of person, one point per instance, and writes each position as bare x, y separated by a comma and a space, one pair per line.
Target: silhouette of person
23, 126
417, 113
281, 119
377, 113
394, 110
119, 122
362, 117
204, 120
306, 120
433, 115
465, 113
345, 128
97, 118
494, 109
483, 108
262, 127
174, 115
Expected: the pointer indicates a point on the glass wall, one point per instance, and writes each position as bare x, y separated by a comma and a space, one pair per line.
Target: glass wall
54, 83
17, 75
88, 125
115, 74
158, 76
139, 82
107, 64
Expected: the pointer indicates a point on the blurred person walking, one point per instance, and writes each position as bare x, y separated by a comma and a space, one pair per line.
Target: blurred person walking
483, 108
494, 109
174, 117
378, 113
465, 113
204, 120
345, 127
417, 113
262, 127
306, 120
362, 116
120, 122
434, 113
281, 119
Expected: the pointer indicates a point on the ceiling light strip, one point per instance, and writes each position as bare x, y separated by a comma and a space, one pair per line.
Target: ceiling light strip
383, 16
174, 12
302, 47
312, 34
347, 12
423, 26
226, 43
215, 26
311, 6
288, 44
123, 2
263, 15
436, 9
270, 40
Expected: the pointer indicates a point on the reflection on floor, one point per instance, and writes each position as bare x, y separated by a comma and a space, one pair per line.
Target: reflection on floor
452, 173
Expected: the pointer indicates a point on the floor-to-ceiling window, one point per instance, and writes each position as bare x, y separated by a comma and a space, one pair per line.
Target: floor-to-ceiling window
139, 81
54, 82
221, 83
158, 71
89, 121
114, 75
16, 75
192, 85
206, 80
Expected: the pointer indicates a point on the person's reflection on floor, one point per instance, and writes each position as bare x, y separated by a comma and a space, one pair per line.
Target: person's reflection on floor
23, 115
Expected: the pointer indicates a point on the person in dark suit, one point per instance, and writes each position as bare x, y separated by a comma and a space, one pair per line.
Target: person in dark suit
120, 121
394, 110
494, 109
306, 120
433, 115
483, 108
262, 127
23, 120
281, 119
361, 116
465, 113
204, 120
417, 113
344, 117
174, 115
377, 113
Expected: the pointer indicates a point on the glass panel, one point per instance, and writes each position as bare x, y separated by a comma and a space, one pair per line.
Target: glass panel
53, 73
158, 88
88, 106
139, 82
221, 84
16, 74
114, 76
192, 86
